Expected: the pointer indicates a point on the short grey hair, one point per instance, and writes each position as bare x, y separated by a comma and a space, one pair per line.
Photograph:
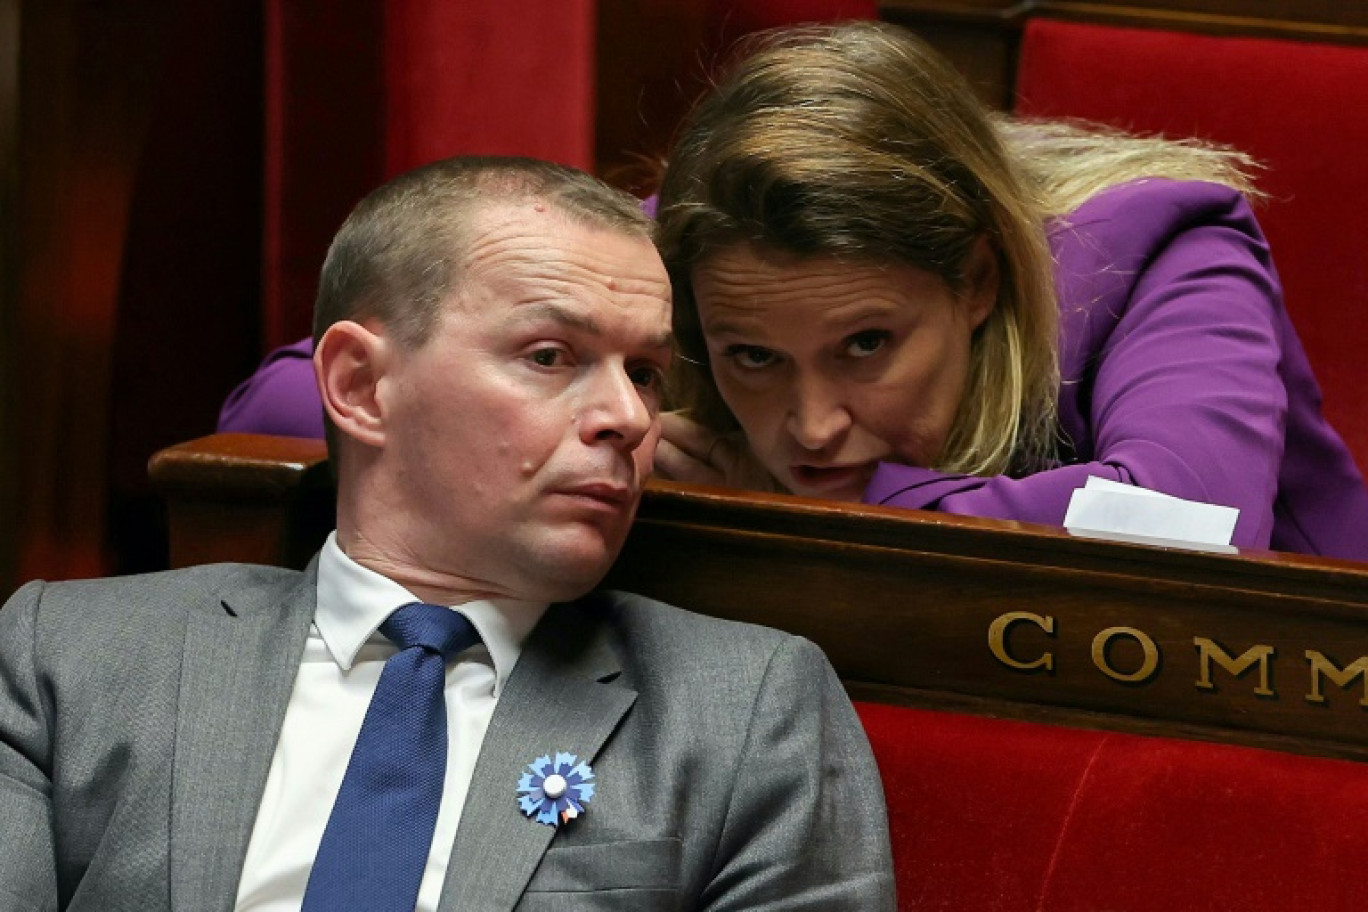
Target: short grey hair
402, 250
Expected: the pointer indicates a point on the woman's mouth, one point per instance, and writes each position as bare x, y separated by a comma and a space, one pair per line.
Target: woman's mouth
846, 482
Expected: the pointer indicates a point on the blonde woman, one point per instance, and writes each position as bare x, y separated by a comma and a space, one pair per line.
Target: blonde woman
883, 292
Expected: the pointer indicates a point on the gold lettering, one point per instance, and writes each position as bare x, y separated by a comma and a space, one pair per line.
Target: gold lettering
1208, 650
997, 639
1147, 667
1320, 665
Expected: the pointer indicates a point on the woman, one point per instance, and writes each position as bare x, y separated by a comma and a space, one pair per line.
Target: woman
882, 292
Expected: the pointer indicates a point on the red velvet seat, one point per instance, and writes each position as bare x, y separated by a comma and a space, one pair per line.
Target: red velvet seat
1000, 816
1296, 106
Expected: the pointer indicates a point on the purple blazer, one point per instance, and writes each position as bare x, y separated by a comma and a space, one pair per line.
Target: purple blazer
280, 398
1181, 373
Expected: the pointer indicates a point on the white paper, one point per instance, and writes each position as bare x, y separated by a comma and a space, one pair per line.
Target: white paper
1111, 508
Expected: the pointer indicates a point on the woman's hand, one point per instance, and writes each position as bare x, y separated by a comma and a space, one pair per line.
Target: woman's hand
688, 451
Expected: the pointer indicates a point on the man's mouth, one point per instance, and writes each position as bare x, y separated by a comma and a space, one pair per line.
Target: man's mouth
608, 494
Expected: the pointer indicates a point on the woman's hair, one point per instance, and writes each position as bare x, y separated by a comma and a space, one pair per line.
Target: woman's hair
1066, 163
858, 141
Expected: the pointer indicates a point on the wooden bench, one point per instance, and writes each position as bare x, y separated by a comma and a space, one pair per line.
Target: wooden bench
1062, 723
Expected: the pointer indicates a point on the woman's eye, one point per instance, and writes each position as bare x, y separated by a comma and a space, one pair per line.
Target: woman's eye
864, 344
750, 357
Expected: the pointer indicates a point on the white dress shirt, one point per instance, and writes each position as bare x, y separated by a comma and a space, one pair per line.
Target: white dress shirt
337, 676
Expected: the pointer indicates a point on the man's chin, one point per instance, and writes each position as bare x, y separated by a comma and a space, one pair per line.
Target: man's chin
567, 570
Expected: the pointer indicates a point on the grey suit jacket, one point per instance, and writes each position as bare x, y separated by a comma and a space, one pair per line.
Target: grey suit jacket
138, 718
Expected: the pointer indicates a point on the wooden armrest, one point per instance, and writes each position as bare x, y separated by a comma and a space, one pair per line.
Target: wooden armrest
245, 497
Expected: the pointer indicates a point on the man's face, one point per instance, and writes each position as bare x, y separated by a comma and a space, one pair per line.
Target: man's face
518, 436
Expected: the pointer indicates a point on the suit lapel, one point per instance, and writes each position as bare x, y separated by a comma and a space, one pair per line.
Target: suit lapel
241, 658
559, 698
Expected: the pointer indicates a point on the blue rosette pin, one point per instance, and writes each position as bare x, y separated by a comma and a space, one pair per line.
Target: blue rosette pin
555, 792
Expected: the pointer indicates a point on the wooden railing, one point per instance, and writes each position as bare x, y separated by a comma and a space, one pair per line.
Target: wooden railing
981, 37
998, 618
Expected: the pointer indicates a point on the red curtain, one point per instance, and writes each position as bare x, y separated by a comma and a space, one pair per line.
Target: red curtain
138, 211
359, 90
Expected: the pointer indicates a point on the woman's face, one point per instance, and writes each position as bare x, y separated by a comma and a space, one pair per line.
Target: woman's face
832, 366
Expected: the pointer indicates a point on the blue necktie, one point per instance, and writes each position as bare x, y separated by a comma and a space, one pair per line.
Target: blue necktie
376, 844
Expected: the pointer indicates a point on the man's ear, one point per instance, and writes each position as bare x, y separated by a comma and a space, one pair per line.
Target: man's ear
983, 278
349, 362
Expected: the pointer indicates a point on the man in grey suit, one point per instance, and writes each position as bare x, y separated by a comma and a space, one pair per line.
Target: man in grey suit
492, 336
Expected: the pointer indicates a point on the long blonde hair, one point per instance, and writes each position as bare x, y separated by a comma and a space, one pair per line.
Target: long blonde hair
1066, 163
857, 140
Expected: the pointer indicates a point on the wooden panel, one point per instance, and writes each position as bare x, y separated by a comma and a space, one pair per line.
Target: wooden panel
981, 36
9, 288
652, 61
1321, 19
906, 603
245, 497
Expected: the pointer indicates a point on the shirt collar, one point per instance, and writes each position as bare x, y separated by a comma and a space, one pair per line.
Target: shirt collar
353, 601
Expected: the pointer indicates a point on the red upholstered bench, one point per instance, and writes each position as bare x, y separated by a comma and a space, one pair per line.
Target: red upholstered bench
1297, 106
993, 815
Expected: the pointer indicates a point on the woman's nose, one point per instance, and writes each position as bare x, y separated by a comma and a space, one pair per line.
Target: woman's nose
817, 414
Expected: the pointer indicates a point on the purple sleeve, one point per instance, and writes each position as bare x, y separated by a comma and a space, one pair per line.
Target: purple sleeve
1171, 317
280, 398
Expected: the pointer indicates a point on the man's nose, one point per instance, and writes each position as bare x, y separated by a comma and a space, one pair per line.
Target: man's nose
817, 414
616, 411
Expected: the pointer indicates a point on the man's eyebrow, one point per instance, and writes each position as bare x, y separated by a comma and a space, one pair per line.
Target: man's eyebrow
562, 315
568, 317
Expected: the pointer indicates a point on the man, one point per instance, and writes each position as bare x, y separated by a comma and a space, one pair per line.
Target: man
491, 338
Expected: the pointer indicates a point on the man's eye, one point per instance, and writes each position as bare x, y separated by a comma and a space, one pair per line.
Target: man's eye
548, 357
864, 344
647, 377
750, 357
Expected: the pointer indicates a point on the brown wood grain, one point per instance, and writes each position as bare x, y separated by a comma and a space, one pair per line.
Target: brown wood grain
245, 497
902, 601
981, 37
